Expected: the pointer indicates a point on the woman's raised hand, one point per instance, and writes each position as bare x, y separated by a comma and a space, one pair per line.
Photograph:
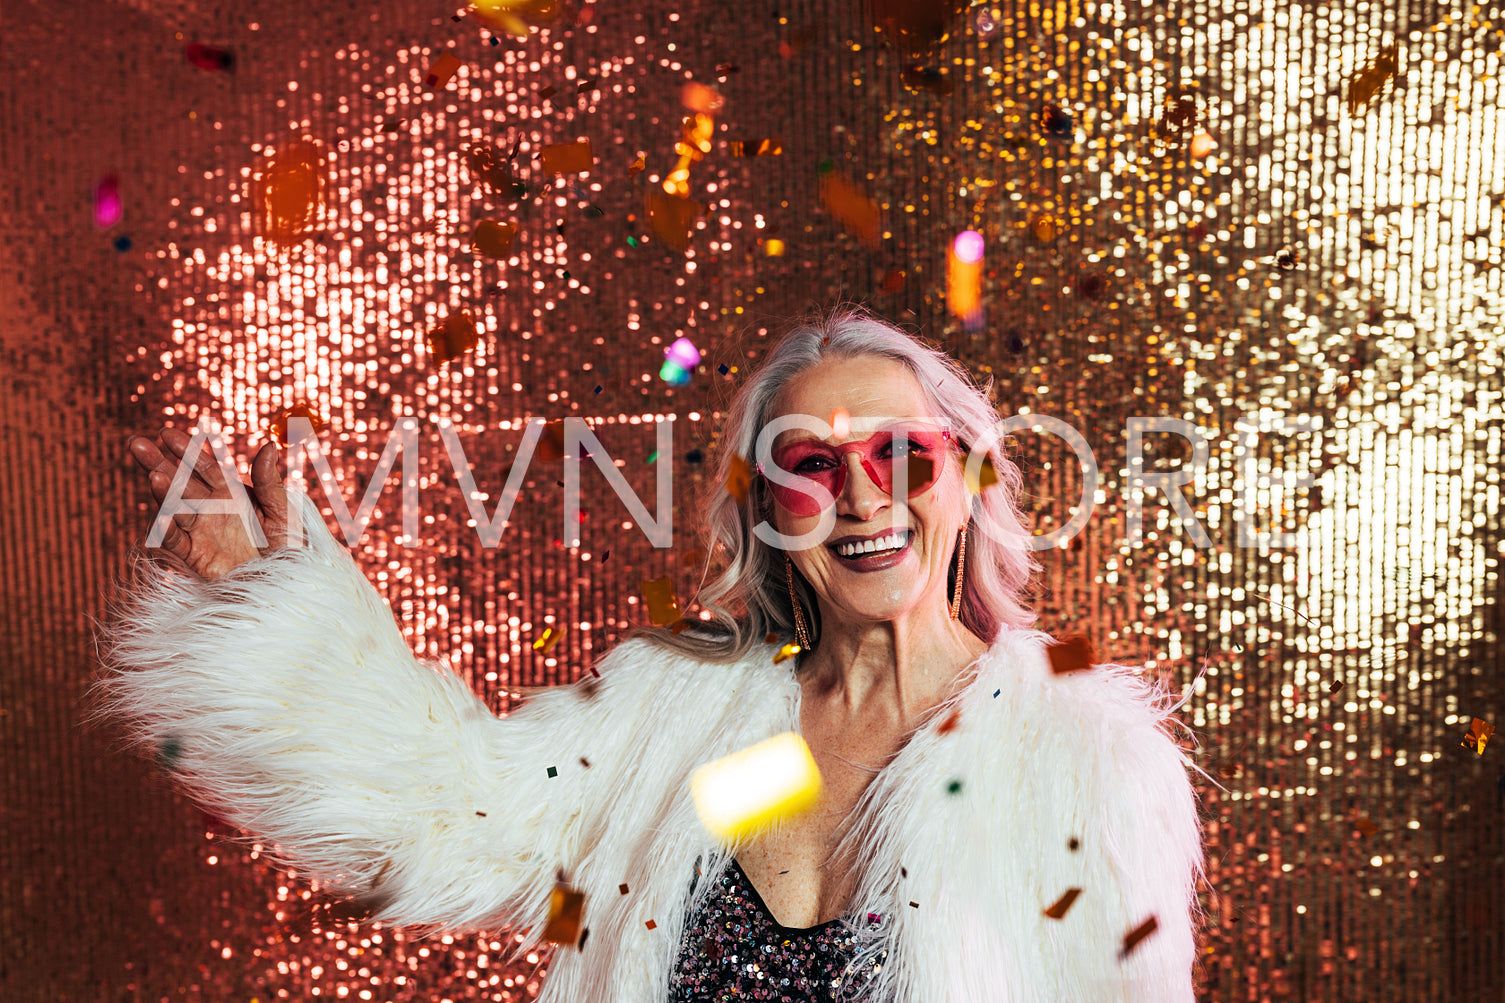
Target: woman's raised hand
214, 543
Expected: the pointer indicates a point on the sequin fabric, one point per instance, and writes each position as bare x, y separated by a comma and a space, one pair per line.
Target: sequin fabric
734, 950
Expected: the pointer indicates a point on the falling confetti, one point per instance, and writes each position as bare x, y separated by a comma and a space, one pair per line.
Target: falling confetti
494, 171
441, 69
699, 97
1366, 827
786, 652
208, 57
546, 641
454, 337
289, 193
277, 427
566, 911
493, 238
949, 725
846, 202
663, 607
637, 166
567, 158
671, 217
771, 780
107, 205
1059, 907
739, 479
1133, 938
964, 277
1071, 654
1478, 735
985, 476
1368, 82
756, 147
169, 752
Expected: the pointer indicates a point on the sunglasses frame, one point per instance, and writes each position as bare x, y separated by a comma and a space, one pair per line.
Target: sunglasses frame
843, 450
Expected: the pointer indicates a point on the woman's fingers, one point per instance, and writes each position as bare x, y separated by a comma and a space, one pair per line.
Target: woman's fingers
205, 465
270, 495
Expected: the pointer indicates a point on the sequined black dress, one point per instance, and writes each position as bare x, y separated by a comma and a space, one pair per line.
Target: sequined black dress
734, 950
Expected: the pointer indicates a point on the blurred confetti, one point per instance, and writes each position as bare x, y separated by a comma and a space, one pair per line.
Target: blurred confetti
740, 793
454, 337
107, 205
566, 914
1071, 654
1478, 735
846, 203
1136, 936
663, 607
289, 191
1058, 909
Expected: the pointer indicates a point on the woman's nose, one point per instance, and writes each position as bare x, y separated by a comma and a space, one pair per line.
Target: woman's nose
860, 494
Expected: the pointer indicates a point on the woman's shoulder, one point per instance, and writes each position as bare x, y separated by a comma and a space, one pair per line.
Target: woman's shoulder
1098, 700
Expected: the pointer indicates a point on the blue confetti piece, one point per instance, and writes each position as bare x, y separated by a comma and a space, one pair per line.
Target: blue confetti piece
553, 772
996, 692
722, 369
122, 243
598, 388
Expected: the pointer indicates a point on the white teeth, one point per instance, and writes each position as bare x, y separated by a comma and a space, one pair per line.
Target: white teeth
891, 542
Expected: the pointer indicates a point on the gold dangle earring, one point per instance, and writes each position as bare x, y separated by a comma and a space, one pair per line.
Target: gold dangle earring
961, 560
801, 631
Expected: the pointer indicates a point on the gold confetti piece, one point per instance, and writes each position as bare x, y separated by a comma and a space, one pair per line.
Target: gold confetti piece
787, 651
567, 158
566, 910
679, 627
441, 69
1044, 226
1365, 84
663, 607
1367, 827
1479, 731
492, 238
847, 203
752, 787
289, 192
671, 217
1071, 654
299, 409
739, 479
841, 423
1202, 144
1133, 937
773, 247
453, 338
699, 97
1063, 903
637, 167
985, 477
757, 147
550, 637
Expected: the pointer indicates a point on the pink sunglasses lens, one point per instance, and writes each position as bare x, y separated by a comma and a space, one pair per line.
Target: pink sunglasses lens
880, 458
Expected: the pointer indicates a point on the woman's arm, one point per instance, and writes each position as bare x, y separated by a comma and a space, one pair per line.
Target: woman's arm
284, 698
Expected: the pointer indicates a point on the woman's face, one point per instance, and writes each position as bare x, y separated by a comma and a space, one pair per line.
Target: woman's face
881, 587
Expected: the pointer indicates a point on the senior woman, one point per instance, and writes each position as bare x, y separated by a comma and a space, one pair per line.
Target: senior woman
988, 830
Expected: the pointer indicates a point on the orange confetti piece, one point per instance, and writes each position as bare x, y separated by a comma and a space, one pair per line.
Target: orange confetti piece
893, 281
663, 607
847, 203
671, 217
1058, 909
299, 409
546, 641
567, 158
950, 723
787, 651
1367, 827
566, 911
1071, 654
679, 627
453, 338
1045, 227
289, 194
441, 69
1133, 938
985, 477
739, 479
1478, 735
757, 147
637, 167
1365, 84
841, 423
699, 97
770, 637
492, 238
651, 925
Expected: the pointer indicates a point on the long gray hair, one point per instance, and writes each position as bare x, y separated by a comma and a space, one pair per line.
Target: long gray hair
749, 598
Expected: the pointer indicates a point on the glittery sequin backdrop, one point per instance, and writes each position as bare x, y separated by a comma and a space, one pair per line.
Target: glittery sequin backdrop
1210, 211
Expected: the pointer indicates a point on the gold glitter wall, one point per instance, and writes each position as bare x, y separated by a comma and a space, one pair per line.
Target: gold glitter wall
1222, 212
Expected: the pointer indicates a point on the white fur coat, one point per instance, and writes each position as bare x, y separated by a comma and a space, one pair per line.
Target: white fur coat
289, 704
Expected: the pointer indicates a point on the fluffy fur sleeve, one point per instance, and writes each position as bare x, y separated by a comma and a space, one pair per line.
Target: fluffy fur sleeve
285, 699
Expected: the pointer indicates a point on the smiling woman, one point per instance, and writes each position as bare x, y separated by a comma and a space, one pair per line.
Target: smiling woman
970, 793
